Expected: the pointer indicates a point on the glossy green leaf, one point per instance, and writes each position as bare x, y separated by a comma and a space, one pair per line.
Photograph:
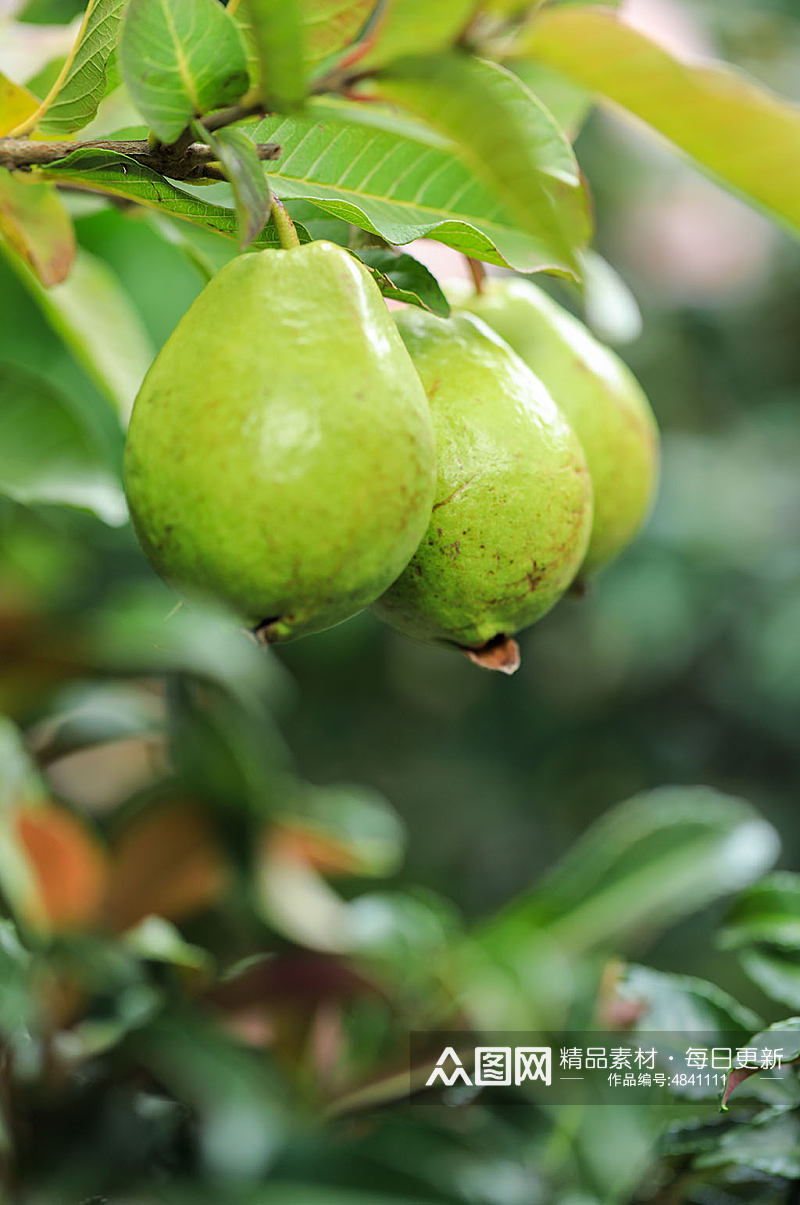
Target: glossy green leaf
181, 59
647, 862
507, 137
396, 178
157, 940
417, 27
72, 101
742, 134
46, 453
276, 27
403, 278
245, 171
124, 177
92, 314
35, 223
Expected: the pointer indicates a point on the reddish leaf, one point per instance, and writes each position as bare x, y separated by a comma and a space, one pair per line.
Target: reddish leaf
37, 226
68, 867
165, 862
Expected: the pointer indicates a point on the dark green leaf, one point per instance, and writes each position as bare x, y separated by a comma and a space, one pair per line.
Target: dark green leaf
245, 171
124, 177
277, 30
403, 278
394, 177
180, 59
776, 972
768, 912
509, 139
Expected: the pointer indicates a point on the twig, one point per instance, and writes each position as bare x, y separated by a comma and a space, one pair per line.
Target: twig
191, 161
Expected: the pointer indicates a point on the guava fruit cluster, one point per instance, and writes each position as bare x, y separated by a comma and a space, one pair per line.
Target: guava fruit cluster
297, 453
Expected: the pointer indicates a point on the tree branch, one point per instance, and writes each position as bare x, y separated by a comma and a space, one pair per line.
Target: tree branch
20, 154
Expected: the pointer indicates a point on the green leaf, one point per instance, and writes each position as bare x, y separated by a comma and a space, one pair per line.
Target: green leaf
770, 1146
124, 177
645, 864
181, 59
348, 829
92, 314
764, 924
743, 135
36, 225
508, 138
157, 940
403, 278
776, 972
46, 453
72, 101
768, 912
683, 1003
395, 178
568, 102
245, 171
417, 27
277, 30
783, 1037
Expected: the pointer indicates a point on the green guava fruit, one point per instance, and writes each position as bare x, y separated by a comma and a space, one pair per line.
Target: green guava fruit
513, 507
600, 397
281, 455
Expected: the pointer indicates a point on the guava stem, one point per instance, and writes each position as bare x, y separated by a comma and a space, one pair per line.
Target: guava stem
284, 225
478, 273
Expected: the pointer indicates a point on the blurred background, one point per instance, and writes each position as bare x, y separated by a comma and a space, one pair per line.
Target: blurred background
680, 665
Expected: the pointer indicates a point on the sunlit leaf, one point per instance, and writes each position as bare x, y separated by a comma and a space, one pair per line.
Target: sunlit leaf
122, 176
16, 105
92, 314
508, 138
245, 171
35, 223
46, 453
396, 178
72, 101
417, 26
180, 59
738, 131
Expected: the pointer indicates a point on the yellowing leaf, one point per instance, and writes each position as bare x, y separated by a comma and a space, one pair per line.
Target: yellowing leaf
742, 134
16, 105
36, 225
